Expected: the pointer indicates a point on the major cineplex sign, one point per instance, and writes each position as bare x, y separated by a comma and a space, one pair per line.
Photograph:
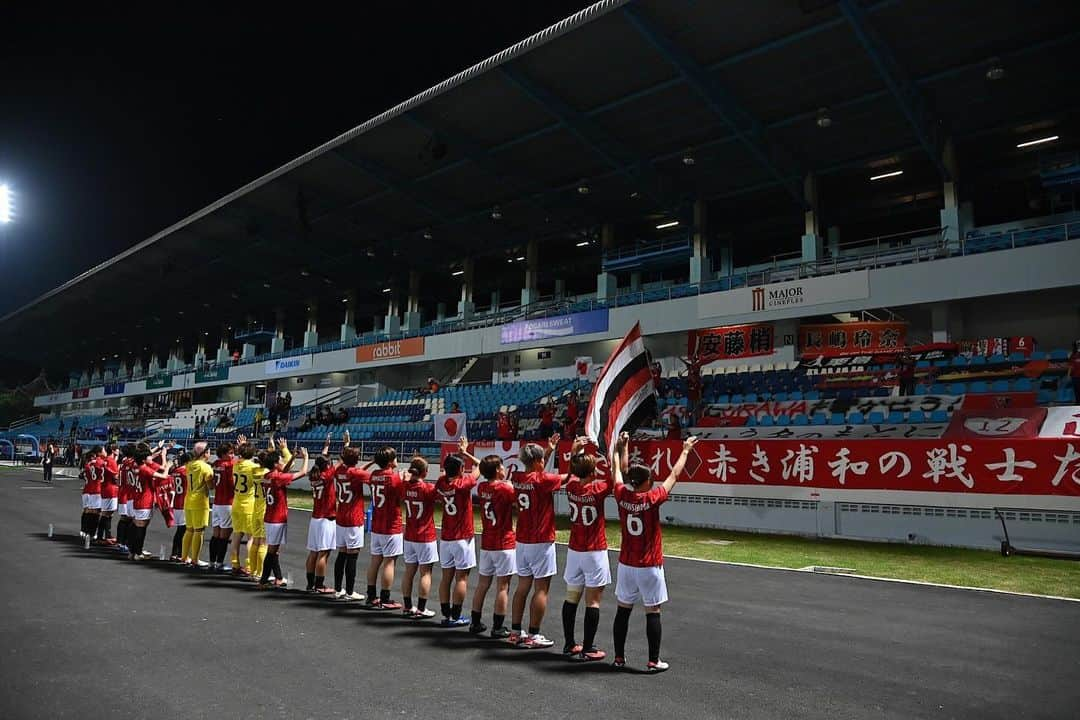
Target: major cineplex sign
795, 294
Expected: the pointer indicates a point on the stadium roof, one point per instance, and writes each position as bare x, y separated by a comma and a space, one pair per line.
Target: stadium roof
645, 105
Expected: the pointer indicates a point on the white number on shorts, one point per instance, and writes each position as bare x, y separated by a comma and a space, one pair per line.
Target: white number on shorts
450, 508
489, 513
344, 492
587, 513
377, 494
634, 526
523, 501
414, 504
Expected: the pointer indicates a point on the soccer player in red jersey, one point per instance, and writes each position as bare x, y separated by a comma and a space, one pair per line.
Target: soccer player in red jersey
457, 552
387, 488
178, 493
641, 555
110, 490
274, 484
587, 566
497, 545
349, 482
128, 472
221, 515
535, 539
322, 529
91, 492
421, 550
150, 477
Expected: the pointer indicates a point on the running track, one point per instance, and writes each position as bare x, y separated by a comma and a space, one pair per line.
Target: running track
87, 634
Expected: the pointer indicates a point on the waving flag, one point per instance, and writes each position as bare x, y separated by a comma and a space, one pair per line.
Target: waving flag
624, 395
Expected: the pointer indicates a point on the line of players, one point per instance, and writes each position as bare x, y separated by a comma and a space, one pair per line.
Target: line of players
249, 488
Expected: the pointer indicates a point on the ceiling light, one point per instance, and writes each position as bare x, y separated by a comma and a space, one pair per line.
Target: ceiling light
668, 224
510, 260
519, 258
304, 273
496, 213
583, 189
894, 173
688, 159
994, 70
1040, 141
824, 120
635, 195
583, 243
344, 300
266, 285
458, 272
427, 234
386, 290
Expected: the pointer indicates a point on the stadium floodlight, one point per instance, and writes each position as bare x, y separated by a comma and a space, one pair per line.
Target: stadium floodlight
583, 243
458, 272
520, 258
7, 204
1040, 141
665, 225
386, 290
882, 176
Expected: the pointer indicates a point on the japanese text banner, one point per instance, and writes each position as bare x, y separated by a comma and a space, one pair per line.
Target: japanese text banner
730, 343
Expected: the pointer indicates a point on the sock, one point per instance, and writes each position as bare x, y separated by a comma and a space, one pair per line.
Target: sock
476, 617
103, 526
350, 573
384, 596
339, 571
196, 546
185, 543
592, 622
260, 559
407, 602
82, 523
320, 581
217, 549
515, 627
421, 604
622, 624
371, 592
264, 576
534, 630
121, 530
277, 567
569, 617
497, 621
455, 611
235, 559
140, 538
652, 631
445, 607
310, 581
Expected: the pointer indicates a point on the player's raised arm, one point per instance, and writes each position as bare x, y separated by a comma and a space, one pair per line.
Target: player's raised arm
677, 468
463, 449
304, 467
552, 446
617, 466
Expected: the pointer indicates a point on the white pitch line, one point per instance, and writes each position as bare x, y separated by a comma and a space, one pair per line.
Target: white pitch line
36, 487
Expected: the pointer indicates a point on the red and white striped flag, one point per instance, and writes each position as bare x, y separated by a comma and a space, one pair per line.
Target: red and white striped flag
624, 396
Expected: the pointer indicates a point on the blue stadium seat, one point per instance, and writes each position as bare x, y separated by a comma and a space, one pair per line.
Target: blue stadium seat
875, 417
837, 419
916, 416
999, 386
895, 417
939, 416
977, 387
800, 420
856, 418
819, 419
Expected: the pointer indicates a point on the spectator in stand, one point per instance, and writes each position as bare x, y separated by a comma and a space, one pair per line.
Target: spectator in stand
906, 373
514, 420
236, 357
342, 416
1074, 371
309, 423
503, 430
433, 385
674, 427
570, 427
454, 408
258, 421
547, 420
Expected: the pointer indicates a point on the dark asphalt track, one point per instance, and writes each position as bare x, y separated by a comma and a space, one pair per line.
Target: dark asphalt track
86, 634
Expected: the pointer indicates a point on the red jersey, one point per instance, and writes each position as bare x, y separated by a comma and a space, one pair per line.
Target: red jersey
1074, 365
547, 416
223, 481
497, 515
639, 515
92, 473
145, 485
178, 491
536, 506
277, 501
587, 514
129, 471
420, 499
504, 431
110, 481
387, 489
456, 496
324, 499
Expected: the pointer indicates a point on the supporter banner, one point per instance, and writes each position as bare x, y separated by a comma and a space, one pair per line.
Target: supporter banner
981, 401
826, 358
212, 375
728, 414
794, 295
1029, 467
290, 364
409, 347
1062, 422
583, 365
583, 323
882, 431
156, 382
999, 346
861, 337
996, 422
449, 427
730, 343
505, 449
79, 393
116, 388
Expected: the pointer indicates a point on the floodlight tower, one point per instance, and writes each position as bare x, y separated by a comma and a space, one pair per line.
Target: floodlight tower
7, 204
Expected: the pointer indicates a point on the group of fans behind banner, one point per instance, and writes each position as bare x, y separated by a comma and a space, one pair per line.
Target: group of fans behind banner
248, 488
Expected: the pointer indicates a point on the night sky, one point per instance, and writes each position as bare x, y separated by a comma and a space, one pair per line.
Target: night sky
115, 123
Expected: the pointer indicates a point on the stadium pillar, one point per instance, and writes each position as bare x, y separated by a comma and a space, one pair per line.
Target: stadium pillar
247, 352
348, 323
440, 312
956, 218
277, 343
200, 354
811, 239
84, 378
700, 267
529, 293
137, 369
635, 281
392, 322
833, 239
607, 284
560, 288
413, 318
311, 334
223, 349
466, 307
155, 364
496, 300
939, 322
122, 373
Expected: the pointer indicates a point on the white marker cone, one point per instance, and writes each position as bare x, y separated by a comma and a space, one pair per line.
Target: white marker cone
50, 529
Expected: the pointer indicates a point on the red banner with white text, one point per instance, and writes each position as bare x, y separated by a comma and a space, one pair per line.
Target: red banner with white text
852, 337
730, 343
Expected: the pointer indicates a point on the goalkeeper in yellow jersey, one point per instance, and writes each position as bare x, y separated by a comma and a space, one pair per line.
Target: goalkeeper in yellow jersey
200, 477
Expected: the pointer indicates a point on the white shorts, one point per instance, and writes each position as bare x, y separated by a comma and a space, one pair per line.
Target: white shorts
421, 553
457, 554
124, 510
275, 533
590, 568
142, 514
536, 560
91, 502
179, 516
130, 505
222, 516
499, 563
320, 534
108, 504
349, 537
641, 584
386, 545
